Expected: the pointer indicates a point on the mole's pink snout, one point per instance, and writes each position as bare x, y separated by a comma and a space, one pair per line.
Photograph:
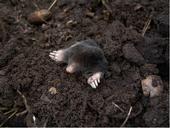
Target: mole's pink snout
71, 68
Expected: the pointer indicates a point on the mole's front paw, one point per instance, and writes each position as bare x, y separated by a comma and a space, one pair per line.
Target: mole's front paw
94, 80
57, 55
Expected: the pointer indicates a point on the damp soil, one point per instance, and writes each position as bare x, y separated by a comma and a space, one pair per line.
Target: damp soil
57, 98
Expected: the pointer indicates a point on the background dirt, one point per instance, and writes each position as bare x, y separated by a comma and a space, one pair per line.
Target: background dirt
26, 66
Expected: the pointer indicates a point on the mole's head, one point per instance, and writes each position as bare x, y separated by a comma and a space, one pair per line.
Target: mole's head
86, 60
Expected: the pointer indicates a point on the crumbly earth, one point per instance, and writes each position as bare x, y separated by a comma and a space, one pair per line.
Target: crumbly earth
26, 66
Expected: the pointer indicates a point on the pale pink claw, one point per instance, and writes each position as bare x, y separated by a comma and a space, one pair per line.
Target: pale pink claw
94, 80
57, 55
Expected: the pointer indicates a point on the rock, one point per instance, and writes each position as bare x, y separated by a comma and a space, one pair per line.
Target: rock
53, 90
152, 86
39, 17
71, 23
89, 14
132, 54
44, 27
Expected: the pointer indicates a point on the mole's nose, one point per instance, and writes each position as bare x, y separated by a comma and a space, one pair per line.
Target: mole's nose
70, 69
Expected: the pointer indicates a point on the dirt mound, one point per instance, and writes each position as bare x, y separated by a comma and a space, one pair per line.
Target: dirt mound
26, 66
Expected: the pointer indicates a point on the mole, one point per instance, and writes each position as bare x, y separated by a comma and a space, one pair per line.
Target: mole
84, 56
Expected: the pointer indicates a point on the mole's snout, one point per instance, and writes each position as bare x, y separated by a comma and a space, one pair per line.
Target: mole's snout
71, 68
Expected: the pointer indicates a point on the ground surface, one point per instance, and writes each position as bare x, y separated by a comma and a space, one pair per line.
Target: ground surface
26, 66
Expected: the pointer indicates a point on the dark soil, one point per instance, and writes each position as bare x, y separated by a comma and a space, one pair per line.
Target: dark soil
26, 66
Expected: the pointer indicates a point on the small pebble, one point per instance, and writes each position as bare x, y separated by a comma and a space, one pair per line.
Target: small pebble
152, 86
52, 90
71, 23
39, 17
89, 14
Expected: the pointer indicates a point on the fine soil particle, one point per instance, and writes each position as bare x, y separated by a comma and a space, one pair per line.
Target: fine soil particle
25, 64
